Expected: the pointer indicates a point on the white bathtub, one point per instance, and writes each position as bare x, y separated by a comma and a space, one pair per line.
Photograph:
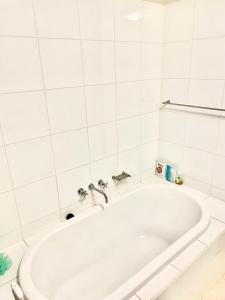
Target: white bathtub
111, 253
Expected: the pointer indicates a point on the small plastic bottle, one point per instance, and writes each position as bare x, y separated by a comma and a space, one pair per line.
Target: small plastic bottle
179, 179
171, 173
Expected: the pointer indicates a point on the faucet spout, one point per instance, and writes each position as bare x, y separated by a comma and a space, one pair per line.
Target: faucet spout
91, 187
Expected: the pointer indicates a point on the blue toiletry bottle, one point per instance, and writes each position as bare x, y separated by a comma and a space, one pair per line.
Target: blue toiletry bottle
170, 173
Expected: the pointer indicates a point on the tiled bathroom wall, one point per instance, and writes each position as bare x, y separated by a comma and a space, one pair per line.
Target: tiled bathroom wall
194, 73
79, 95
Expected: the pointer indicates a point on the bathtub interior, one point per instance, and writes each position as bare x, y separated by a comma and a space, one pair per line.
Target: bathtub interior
92, 258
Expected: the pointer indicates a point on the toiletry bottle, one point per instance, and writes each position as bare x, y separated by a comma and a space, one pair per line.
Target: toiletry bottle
171, 173
179, 179
160, 169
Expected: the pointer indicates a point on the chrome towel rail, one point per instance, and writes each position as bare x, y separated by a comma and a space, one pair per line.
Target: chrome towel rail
168, 102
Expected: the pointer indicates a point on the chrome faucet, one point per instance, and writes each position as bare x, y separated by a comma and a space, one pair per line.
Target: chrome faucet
91, 187
121, 177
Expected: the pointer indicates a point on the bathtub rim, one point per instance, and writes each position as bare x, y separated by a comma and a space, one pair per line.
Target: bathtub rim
140, 278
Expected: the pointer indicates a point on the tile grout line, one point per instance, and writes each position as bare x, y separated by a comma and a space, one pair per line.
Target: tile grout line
84, 90
83, 85
83, 39
186, 117
116, 90
12, 184
162, 73
110, 83
142, 86
46, 103
217, 144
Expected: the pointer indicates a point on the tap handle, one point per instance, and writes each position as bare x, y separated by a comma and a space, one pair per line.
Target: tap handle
82, 193
102, 184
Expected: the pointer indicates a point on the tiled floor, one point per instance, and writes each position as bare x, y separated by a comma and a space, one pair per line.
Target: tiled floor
217, 291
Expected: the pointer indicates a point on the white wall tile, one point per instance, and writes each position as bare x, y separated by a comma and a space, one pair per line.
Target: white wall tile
175, 89
194, 76
101, 104
221, 138
206, 92
103, 140
151, 61
129, 133
16, 18
1, 139
177, 58
179, 20
172, 126
218, 193
129, 161
66, 108
69, 182
61, 60
8, 214
171, 152
70, 149
202, 132
198, 164
151, 97
96, 19
5, 180
149, 127
105, 169
57, 19
149, 153
213, 11
128, 61
128, 99
30, 161
128, 17
20, 65
98, 60
37, 200
152, 22
218, 176
204, 64
195, 184
23, 116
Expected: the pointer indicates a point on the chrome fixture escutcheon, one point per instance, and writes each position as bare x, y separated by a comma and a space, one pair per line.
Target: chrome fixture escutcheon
103, 185
82, 193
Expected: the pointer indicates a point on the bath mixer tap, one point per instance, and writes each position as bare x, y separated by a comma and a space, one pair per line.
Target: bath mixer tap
91, 187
